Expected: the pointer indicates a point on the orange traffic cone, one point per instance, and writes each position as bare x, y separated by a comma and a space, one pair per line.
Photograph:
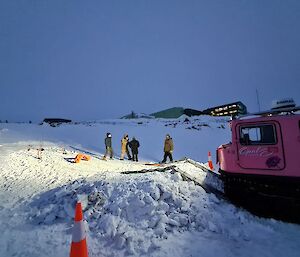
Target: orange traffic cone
78, 246
210, 164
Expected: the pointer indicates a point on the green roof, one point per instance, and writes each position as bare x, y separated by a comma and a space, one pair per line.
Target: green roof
172, 113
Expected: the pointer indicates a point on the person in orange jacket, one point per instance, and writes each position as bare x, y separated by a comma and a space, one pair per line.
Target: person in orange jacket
168, 149
124, 147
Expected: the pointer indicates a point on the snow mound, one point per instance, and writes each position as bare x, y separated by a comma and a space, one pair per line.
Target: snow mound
137, 216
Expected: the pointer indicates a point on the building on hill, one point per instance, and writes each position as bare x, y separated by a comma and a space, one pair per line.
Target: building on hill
134, 115
172, 113
231, 109
54, 122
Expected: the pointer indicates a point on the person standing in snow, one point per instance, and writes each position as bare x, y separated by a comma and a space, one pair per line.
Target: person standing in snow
108, 147
134, 145
168, 149
124, 147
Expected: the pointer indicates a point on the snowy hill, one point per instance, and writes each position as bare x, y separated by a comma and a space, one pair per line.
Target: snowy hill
137, 214
192, 138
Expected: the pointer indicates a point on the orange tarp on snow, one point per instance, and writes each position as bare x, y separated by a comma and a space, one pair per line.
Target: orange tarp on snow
81, 156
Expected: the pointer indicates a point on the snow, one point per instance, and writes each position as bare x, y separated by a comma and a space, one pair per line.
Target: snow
138, 214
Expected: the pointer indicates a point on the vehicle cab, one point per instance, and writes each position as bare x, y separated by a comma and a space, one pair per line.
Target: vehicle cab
264, 153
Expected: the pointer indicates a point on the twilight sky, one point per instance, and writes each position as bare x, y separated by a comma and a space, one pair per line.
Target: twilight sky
101, 59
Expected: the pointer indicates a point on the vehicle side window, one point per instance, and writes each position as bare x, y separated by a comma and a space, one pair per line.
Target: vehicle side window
258, 135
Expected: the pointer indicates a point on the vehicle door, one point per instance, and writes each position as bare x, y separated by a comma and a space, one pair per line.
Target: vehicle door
260, 146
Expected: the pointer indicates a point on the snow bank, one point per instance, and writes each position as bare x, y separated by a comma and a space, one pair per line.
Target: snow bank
135, 214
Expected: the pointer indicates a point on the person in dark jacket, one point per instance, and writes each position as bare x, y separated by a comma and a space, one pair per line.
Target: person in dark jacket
168, 149
108, 146
134, 145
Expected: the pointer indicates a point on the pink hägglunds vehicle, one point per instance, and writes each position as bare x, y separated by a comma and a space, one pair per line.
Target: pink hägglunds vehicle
264, 155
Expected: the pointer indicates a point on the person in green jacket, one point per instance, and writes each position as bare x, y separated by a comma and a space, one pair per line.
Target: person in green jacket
108, 147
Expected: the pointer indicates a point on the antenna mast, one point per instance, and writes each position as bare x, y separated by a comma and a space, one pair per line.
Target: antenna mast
257, 98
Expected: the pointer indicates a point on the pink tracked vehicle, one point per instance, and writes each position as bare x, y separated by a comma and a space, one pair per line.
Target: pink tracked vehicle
264, 155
